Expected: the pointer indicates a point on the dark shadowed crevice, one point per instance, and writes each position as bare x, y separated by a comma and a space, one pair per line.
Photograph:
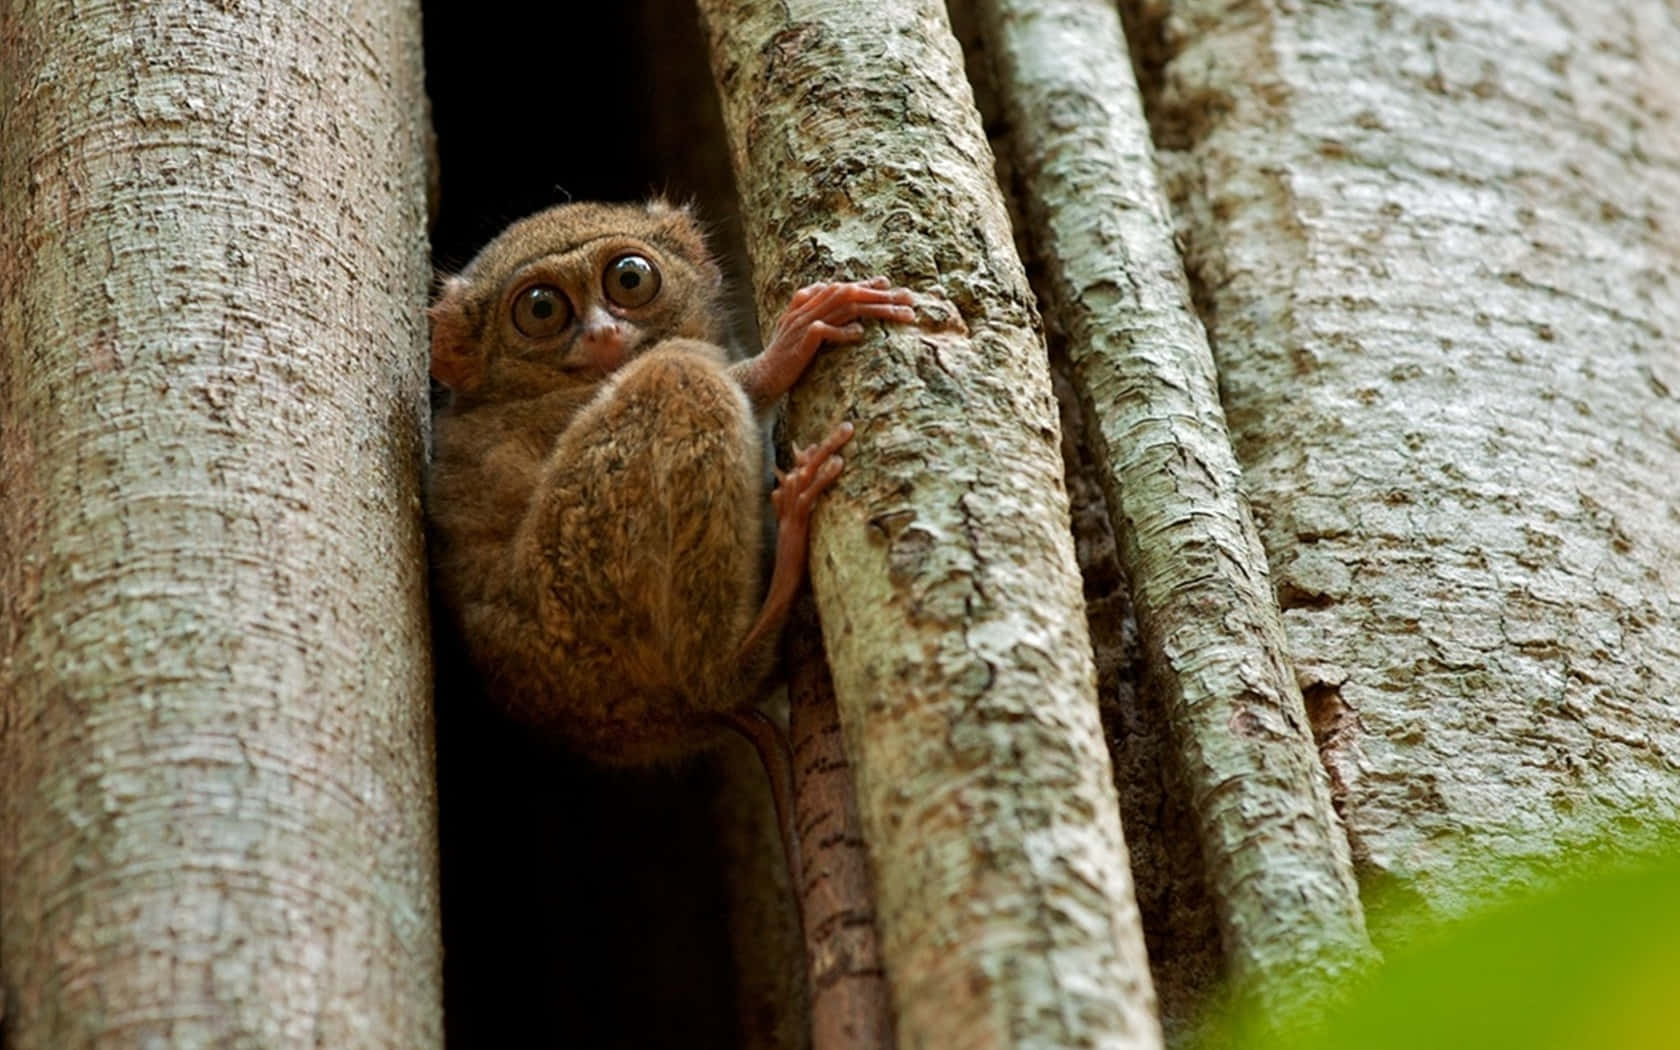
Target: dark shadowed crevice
580, 907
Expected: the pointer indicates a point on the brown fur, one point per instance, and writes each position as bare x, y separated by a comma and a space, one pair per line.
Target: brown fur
597, 532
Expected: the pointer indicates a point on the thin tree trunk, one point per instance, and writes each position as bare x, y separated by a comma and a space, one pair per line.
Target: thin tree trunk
215, 734
942, 562
1436, 247
1276, 857
851, 1002
1180, 925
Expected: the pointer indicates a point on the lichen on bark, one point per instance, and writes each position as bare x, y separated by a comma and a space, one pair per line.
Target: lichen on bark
1275, 856
942, 562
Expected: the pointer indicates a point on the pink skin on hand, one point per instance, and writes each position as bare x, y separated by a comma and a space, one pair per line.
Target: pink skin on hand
818, 314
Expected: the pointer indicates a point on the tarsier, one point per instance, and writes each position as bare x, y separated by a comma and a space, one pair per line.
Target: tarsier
597, 495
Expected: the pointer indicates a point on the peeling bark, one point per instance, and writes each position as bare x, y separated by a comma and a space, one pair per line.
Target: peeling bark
1275, 856
942, 564
1436, 248
215, 733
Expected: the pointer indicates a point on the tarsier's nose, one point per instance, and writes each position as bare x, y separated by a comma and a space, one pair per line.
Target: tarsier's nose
602, 342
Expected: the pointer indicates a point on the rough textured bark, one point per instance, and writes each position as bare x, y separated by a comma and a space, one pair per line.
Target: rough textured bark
1275, 855
1180, 922
1436, 247
942, 563
218, 816
1180, 929
851, 1002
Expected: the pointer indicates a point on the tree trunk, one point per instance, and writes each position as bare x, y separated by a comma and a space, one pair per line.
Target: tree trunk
1181, 933
1437, 253
1275, 854
851, 1002
942, 562
218, 823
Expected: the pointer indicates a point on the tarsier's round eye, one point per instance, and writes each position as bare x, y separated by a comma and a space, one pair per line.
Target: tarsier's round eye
630, 280
541, 310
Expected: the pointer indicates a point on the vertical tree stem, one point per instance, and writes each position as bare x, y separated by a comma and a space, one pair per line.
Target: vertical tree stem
215, 732
1276, 856
942, 561
851, 1008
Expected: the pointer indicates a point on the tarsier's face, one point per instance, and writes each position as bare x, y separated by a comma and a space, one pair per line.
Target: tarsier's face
578, 289
595, 304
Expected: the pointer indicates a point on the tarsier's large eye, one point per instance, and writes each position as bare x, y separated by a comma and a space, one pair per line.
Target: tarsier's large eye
541, 310
630, 280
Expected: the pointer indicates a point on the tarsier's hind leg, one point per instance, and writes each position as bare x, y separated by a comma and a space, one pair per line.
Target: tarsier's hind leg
645, 537
814, 470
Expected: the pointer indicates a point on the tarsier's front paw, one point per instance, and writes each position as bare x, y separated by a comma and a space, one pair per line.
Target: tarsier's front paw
830, 312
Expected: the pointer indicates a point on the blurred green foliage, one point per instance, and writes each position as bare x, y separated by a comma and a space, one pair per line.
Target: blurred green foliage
1590, 963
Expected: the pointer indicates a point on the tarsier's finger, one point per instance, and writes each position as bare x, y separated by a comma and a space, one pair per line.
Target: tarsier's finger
803, 310
874, 290
823, 332
825, 448
818, 300
826, 474
880, 311
891, 304
800, 475
808, 462
870, 292
837, 437
804, 294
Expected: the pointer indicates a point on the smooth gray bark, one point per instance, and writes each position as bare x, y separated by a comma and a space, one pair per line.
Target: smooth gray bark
217, 825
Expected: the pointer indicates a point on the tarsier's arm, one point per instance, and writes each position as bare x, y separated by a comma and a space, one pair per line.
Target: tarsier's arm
817, 314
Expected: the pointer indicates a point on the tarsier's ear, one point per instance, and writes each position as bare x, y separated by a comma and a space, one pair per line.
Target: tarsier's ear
458, 361
680, 228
